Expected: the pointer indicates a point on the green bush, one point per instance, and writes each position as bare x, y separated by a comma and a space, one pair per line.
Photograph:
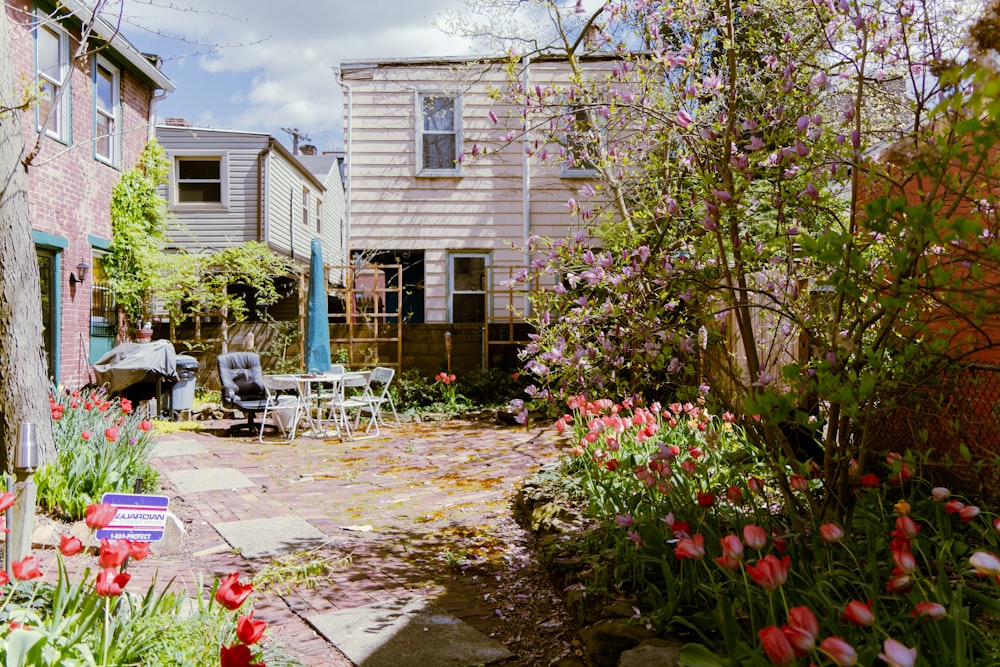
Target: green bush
102, 446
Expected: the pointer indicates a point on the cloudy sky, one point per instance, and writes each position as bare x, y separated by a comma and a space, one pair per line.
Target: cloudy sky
277, 70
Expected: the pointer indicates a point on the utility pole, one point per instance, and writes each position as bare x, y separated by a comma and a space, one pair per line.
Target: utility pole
296, 135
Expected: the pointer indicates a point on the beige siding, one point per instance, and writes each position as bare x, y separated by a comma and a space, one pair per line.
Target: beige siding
478, 210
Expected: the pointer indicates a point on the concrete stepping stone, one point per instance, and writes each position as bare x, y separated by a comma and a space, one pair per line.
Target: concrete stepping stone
262, 538
165, 448
208, 479
406, 633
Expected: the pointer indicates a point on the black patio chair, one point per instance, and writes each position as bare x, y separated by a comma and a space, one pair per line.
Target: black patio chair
243, 387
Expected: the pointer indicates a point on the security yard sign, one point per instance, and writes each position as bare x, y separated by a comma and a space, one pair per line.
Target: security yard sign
139, 518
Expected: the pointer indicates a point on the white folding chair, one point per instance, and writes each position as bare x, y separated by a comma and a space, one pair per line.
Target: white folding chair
285, 404
353, 395
382, 378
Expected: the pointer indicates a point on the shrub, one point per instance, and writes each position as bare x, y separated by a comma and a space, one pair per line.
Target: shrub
102, 446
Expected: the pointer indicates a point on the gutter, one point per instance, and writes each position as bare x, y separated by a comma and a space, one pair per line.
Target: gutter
262, 200
348, 166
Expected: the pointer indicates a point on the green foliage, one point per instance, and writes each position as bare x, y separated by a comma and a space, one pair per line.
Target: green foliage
138, 220
492, 388
674, 493
102, 446
413, 390
284, 338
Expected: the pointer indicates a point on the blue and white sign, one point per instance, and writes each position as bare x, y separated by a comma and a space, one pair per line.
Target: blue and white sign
139, 518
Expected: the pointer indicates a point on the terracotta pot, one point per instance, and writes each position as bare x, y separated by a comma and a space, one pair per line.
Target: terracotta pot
143, 335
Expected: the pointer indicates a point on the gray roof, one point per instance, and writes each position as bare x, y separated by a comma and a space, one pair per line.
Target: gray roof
319, 165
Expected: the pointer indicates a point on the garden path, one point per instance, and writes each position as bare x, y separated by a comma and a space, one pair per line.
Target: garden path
424, 513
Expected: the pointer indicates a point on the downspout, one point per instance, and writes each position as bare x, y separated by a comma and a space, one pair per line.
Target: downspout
263, 231
151, 129
526, 185
348, 126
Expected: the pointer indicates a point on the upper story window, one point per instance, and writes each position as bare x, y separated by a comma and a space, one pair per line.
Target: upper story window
305, 207
107, 113
200, 181
438, 134
319, 215
52, 69
582, 141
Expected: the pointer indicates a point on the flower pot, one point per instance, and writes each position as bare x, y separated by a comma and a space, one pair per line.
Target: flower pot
143, 335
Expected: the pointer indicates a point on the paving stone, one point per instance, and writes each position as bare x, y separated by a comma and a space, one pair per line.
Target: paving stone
167, 448
260, 538
407, 633
208, 479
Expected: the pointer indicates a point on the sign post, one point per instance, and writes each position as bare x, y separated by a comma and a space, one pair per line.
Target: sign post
138, 517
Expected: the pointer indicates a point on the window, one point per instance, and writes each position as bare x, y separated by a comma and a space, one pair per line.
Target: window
52, 69
200, 181
107, 113
319, 215
438, 136
582, 142
305, 207
467, 277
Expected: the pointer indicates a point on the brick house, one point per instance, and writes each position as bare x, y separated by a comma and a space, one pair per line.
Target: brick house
91, 121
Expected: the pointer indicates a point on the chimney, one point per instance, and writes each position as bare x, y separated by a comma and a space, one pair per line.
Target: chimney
308, 149
178, 122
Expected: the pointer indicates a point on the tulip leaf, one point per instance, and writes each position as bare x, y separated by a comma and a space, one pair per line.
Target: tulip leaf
696, 655
19, 642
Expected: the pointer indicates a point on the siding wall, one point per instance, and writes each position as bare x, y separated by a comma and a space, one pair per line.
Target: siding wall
479, 210
69, 191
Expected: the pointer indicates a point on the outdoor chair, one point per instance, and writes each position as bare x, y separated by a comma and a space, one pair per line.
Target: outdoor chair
381, 379
285, 404
352, 395
242, 381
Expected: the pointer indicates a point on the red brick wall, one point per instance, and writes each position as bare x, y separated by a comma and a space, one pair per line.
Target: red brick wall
70, 191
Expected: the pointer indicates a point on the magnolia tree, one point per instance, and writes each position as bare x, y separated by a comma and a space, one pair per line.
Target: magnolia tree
792, 213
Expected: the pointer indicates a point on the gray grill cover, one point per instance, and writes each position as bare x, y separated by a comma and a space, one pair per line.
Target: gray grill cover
130, 363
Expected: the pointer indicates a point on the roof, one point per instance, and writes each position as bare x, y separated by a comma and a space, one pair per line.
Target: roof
140, 63
346, 68
320, 165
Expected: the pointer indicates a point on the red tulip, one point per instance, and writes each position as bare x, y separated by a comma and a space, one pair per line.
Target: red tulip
953, 506
754, 536
780, 543
804, 619
732, 547
4, 578
870, 480
231, 593
800, 640
693, 548
859, 613
929, 610
900, 584
906, 527
100, 515
26, 569
706, 499
798, 483
968, 513
776, 646
734, 494
110, 582
770, 571
70, 546
906, 562
85, 434
7, 499
250, 631
996, 525
111, 433
112, 554
138, 550
897, 654
839, 651
755, 484
237, 655
831, 532
145, 425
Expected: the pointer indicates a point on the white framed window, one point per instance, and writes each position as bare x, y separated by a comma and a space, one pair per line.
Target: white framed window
305, 207
107, 112
582, 140
200, 181
468, 276
439, 135
319, 215
52, 71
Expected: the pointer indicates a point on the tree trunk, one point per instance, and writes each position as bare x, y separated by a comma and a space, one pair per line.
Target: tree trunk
23, 386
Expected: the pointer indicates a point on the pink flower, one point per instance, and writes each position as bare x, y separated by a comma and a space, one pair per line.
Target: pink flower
985, 563
86, 434
683, 118
732, 547
968, 513
831, 532
693, 548
770, 571
897, 654
906, 562
111, 433
906, 527
839, 651
859, 613
929, 610
754, 536
800, 640
940, 494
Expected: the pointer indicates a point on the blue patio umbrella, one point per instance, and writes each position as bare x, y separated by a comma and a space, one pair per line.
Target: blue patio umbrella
317, 315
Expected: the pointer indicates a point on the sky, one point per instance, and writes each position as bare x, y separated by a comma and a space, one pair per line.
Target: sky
264, 65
